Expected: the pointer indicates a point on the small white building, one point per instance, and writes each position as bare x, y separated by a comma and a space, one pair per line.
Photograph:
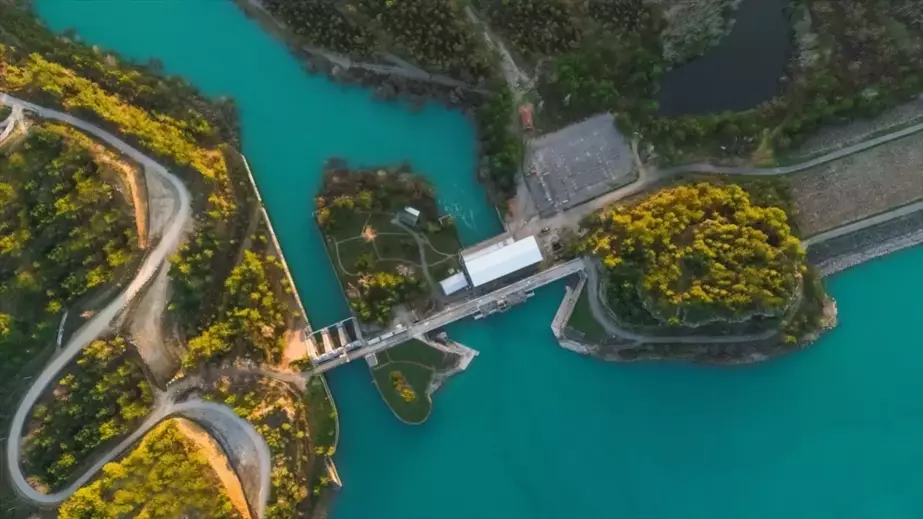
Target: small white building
409, 215
501, 259
454, 283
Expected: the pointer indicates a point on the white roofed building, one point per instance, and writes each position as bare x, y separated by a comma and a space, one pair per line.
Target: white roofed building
454, 283
501, 259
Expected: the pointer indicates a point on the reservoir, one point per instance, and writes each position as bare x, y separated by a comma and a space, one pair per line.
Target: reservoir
741, 72
532, 431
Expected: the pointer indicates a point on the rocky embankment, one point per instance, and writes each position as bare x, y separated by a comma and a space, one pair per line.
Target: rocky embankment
843, 252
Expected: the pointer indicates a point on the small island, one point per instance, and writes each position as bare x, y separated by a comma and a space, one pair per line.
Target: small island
387, 240
704, 271
408, 374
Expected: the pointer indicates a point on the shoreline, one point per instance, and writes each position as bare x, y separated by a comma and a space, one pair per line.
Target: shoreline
388, 82
330, 464
752, 354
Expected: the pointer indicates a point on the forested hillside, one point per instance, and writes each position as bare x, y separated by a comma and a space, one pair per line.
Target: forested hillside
165, 477
101, 399
433, 34
66, 235
697, 254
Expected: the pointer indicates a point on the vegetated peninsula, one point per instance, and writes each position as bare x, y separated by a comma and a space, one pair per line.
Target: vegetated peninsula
81, 210
710, 272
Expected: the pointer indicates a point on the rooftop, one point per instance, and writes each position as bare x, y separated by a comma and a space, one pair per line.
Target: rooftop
501, 259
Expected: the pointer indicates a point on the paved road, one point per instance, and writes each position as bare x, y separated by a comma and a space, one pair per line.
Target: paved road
864, 223
786, 170
9, 124
601, 315
456, 312
648, 178
101, 322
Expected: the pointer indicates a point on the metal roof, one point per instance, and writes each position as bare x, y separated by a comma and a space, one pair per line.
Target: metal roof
470, 256
484, 268
454, 283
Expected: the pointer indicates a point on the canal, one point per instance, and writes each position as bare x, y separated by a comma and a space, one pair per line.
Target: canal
532, 431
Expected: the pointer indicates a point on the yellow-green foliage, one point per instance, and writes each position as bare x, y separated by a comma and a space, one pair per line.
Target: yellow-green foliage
165, 477
399, 383
65, 233
252, 319
99, 401
701, 251
162, 134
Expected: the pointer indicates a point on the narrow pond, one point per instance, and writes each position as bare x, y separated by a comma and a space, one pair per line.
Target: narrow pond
741, 72
532, 431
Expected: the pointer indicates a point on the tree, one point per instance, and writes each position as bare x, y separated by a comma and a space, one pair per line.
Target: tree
697, 253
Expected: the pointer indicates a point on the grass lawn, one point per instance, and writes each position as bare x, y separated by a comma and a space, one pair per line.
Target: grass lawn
322, 417
583, 321
418, 352
418, 363
388, 246
418, 377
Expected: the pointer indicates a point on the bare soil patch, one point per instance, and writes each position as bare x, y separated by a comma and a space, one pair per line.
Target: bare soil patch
161, 203
131, 177
218, 461
146, 330
859, 186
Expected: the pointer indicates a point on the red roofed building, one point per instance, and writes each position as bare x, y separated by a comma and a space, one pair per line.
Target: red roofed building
525, 116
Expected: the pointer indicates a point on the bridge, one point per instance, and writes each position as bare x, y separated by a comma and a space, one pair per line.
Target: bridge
496, 301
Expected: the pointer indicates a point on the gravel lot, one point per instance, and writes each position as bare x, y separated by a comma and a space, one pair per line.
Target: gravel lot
577, 163
859, 186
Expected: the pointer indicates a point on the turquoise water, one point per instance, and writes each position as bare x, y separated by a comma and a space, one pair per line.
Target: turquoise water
531, 430
291, 122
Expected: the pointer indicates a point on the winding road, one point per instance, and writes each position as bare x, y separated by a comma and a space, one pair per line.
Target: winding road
100, 323
9, 124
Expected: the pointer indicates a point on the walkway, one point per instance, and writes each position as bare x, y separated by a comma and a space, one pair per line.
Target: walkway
864, 223
101, 321
453, 313
424, 264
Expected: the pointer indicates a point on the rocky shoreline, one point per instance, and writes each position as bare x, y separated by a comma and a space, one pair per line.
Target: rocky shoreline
847, 251
394, 80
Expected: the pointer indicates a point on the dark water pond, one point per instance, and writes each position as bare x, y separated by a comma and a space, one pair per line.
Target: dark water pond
741, 72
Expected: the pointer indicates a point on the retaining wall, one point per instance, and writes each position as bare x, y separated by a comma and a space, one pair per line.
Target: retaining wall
291, 280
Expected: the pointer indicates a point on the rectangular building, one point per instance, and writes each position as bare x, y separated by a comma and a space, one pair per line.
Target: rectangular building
500, 260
